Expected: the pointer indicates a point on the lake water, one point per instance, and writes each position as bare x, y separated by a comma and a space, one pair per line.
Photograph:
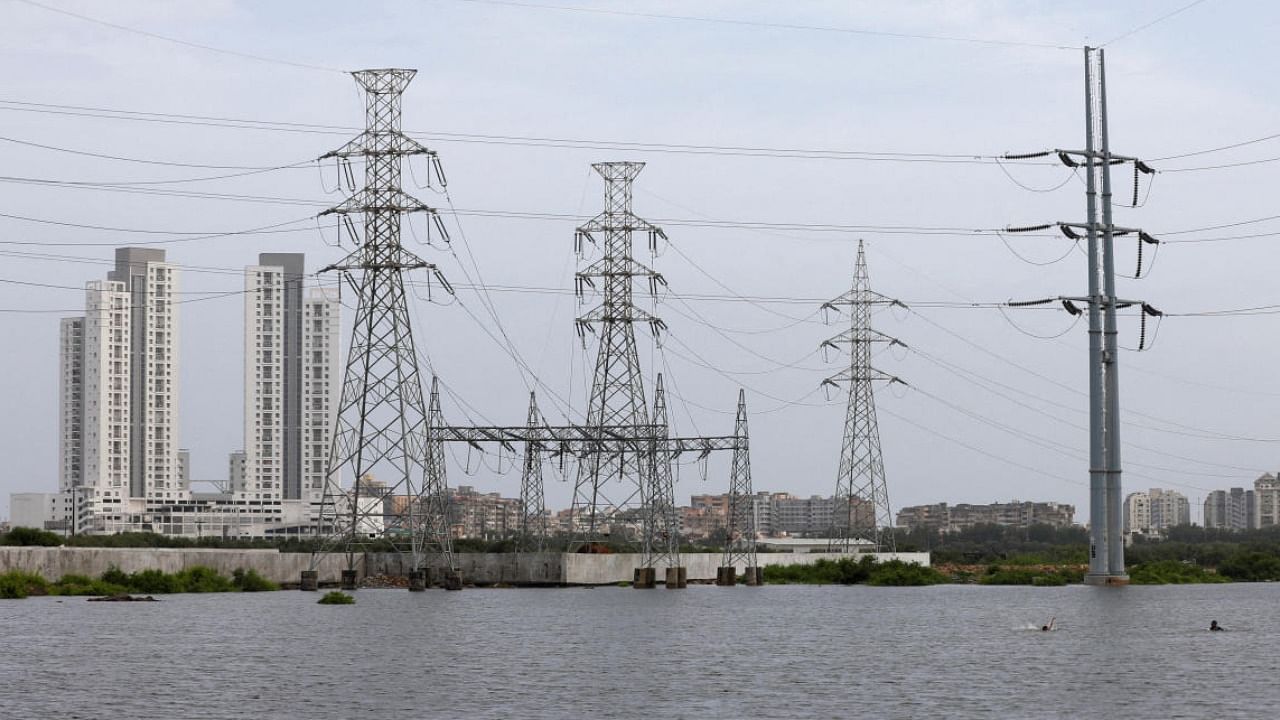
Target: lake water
704, 652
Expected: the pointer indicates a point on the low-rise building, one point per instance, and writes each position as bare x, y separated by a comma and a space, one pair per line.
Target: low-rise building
42, 511
941, 517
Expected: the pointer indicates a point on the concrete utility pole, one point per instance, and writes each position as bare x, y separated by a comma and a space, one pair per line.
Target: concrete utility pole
861, 513
1106, 529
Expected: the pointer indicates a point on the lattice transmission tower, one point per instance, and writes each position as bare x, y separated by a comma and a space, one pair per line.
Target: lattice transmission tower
740, 519
632, 472
382, 440
861, 512
532, 534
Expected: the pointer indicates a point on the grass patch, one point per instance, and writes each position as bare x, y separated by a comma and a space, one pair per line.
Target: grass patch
335, 597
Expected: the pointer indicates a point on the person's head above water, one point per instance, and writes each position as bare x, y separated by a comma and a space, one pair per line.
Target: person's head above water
1213, 625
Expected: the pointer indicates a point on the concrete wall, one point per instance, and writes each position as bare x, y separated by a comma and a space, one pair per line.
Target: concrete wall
54, 562
477, 568
612, 569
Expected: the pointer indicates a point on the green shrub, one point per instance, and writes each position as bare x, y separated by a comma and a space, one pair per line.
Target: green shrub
1251, 566
152, 582
18, 584
847, 571
1057, 577
30, 536
250, 581
902, 574
115, 576
201, 579
336, 598
77, 585
1171, 572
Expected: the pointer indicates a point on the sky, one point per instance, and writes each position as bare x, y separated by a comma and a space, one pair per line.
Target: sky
520, 98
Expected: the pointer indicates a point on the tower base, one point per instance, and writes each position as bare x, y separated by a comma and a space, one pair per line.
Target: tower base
645, 579
453, 579
726, 576
1101, 580
677, 577
755, 576
310, 581
348, 580
417, 581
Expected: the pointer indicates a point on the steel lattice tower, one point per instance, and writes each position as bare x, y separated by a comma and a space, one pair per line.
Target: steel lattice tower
617, 402
740, 520
533, 505
861, 512
382, 428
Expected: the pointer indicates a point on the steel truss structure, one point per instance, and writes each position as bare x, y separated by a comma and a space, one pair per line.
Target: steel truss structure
861, 512
397, 496
624, 451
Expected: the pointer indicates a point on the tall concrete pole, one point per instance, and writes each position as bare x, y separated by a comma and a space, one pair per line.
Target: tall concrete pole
1110, 355
1098, 554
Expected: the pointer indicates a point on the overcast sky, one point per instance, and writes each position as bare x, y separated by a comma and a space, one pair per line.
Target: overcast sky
993, 411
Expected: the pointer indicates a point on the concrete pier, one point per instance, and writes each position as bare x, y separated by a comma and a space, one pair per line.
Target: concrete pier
726, 576
677, 578
417, 581
755, 576
645, 579
310, 581
453, 579
349, 581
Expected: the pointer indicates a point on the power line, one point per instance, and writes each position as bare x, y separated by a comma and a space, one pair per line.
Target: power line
521, 140
1160, 19
176, 41
777, 25
1220, 148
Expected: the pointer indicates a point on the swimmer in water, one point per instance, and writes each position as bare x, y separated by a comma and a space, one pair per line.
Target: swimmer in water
1047, 628
1214, 626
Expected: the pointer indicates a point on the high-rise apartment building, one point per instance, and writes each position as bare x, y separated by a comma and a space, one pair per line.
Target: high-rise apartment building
1230, 509
291, 363
1155, 511
119, 394
1266, 494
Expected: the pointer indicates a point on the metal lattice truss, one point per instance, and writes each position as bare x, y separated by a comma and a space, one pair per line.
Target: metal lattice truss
861, 513
398, 490
741, 521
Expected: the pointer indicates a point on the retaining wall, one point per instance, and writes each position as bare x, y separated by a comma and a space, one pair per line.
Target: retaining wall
477, 568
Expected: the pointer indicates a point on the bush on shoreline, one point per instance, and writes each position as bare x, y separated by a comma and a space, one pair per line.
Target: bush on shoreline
847, 571
1171, 572
18, 584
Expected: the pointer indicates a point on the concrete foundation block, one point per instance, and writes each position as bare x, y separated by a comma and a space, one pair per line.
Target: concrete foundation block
310, 581
417, 581
677, 578
348, 580
645, 579
726, 576
453, 579
755, 576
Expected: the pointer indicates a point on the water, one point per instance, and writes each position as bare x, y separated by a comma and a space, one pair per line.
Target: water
706, 652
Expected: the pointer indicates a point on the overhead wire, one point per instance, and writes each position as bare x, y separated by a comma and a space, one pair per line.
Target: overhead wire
774, 25
177, 41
